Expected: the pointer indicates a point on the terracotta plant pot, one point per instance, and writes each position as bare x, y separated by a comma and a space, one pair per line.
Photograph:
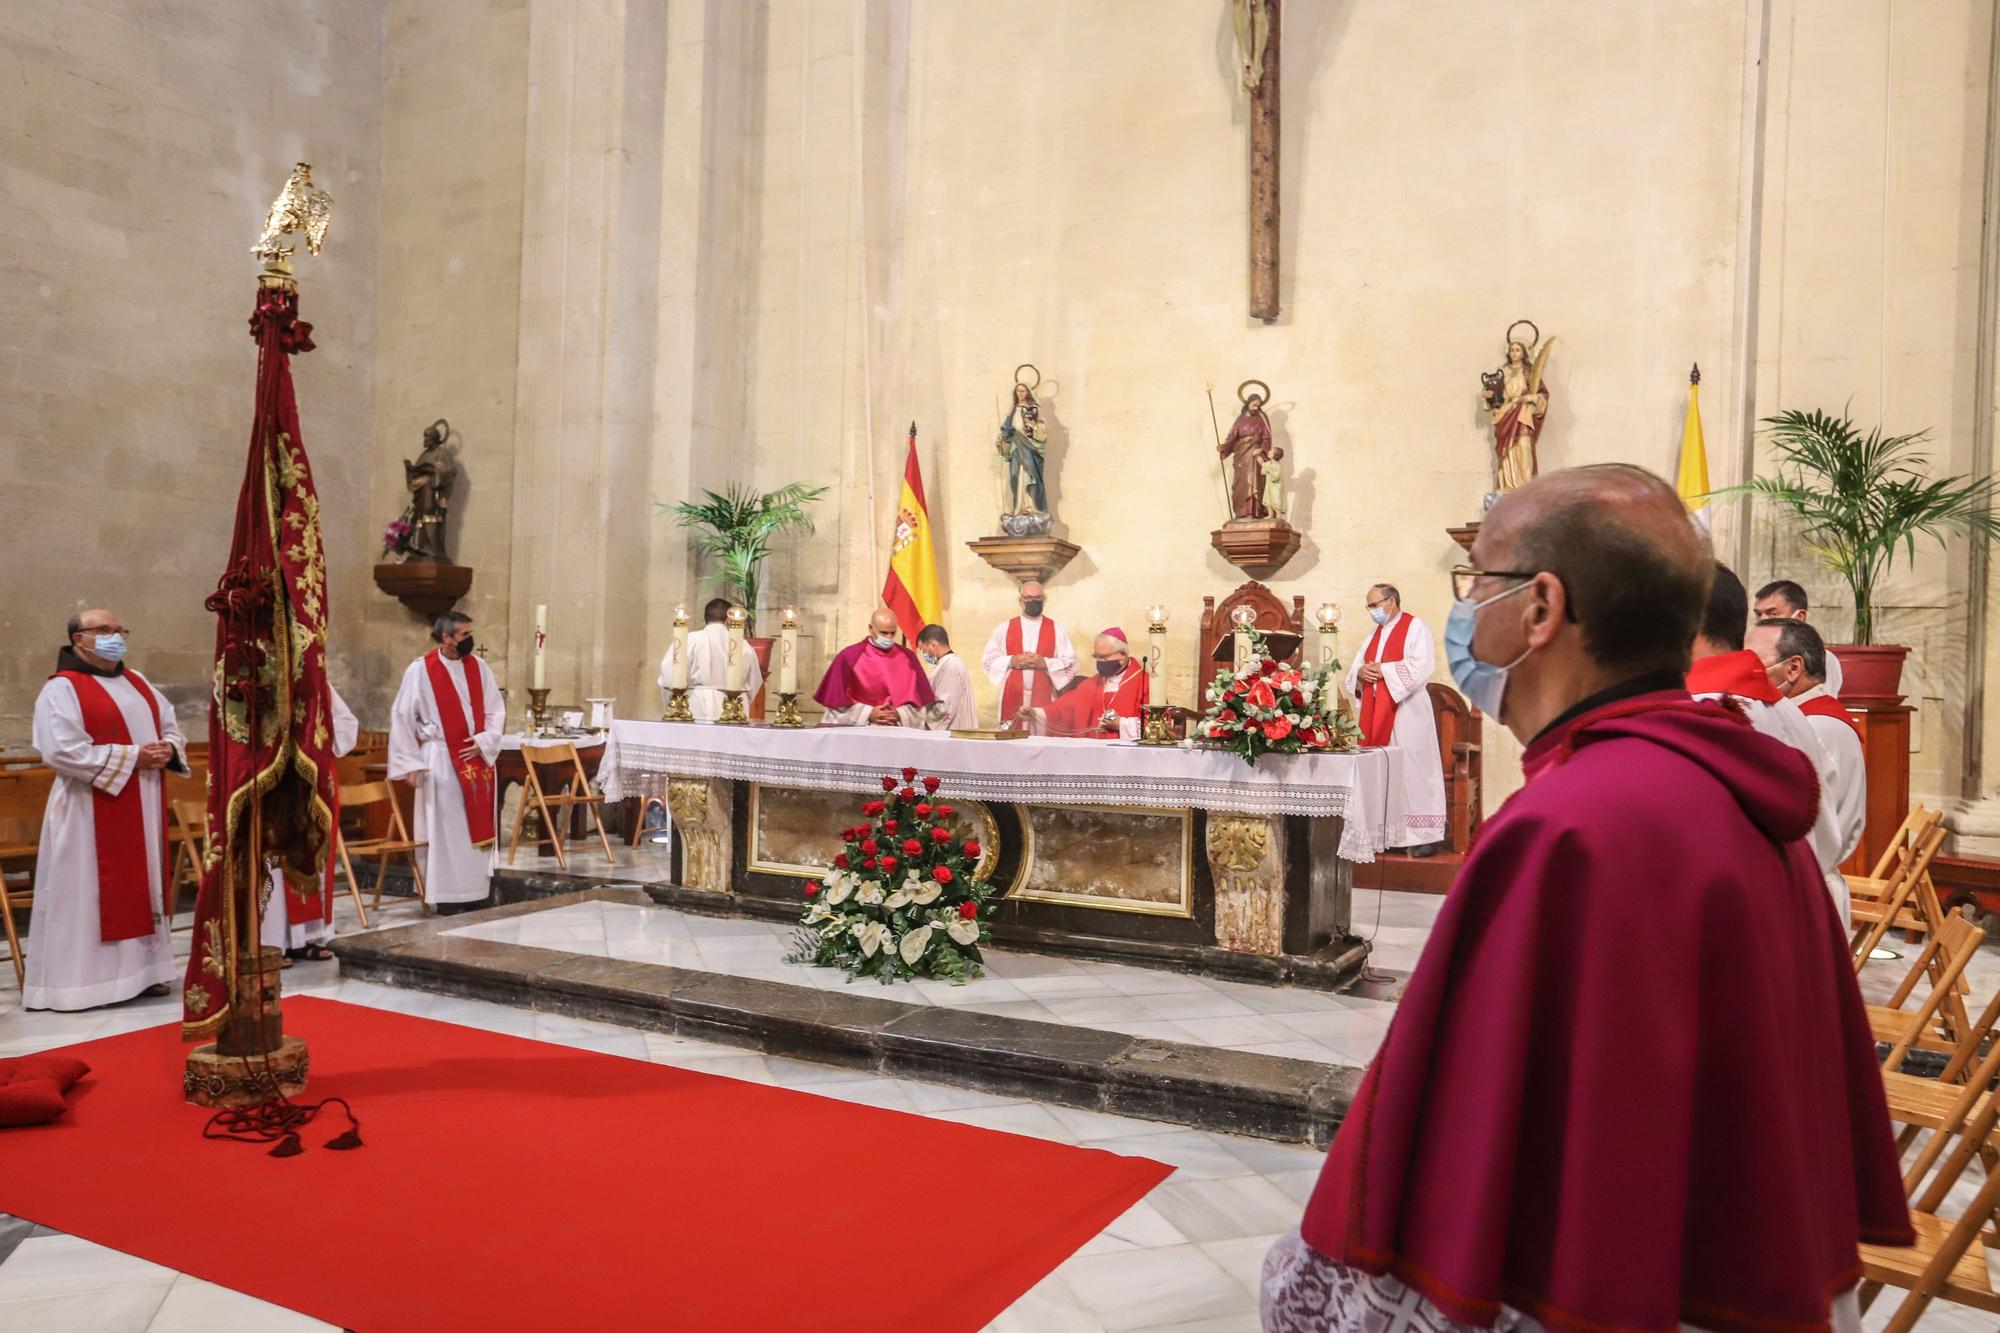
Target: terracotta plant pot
762, 647
1870, 673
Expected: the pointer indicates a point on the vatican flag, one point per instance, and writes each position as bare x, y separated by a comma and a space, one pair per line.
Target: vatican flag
911, 590
1692, 478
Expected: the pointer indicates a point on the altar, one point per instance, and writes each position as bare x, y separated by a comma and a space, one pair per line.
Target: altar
1167, 852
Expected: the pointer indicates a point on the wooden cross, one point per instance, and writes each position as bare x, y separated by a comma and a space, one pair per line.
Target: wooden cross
1257, 49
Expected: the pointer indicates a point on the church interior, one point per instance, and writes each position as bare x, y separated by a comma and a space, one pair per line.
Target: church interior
745, 693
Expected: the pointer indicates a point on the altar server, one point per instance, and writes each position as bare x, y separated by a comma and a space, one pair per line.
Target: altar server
444, 733
1795, 658
877, 682
1724, 669
1631, 1083
302, 923
1102, 706
1783, 599
950, 682
708, 664
1389, 682
1028, 657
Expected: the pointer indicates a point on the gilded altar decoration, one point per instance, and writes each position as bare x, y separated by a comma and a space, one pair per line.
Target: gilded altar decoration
300, 208
1263, 706
1246, 858
1516, 398
904, 899
700, 811
1023, 441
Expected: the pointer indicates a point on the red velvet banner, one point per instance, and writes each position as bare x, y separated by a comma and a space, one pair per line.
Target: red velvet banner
271, 786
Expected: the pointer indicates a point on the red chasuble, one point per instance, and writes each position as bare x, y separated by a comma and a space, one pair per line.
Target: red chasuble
475, 775
1043, 689
1827, 706
1081, 710
1378, 706
1740, 673
124, 880
1631, 1081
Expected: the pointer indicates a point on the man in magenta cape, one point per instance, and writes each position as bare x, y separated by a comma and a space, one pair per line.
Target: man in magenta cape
1630, 1083
877, 682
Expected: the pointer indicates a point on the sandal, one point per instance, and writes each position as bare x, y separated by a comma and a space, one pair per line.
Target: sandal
314, 953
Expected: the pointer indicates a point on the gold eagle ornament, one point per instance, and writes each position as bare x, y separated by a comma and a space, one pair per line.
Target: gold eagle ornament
301, 207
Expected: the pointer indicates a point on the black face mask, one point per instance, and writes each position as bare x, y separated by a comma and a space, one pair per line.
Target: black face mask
1110, 668
1031, 608
465, 648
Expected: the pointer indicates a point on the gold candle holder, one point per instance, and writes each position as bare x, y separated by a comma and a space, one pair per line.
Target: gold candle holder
787, 714
677, 709
538, 711
733, 713
1156, 725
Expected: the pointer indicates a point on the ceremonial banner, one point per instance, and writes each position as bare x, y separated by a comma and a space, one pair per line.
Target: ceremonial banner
911, 590
271, 782
1691, 479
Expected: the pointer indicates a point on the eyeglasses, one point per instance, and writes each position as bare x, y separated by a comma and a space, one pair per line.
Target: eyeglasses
103, 629
1464, 576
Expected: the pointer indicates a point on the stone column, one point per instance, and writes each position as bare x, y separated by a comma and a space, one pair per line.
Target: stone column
1246, 855
699, 808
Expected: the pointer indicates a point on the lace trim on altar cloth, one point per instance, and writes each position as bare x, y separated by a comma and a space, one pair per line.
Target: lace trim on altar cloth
1303, 1291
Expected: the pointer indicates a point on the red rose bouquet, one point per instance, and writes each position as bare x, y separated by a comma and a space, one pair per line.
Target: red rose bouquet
1271, 708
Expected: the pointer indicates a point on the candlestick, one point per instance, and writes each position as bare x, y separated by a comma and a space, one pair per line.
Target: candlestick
732, 708
788, 653
677, 709
538, 710
787, 714
732, 676
679, 679
541, 637
1156, 653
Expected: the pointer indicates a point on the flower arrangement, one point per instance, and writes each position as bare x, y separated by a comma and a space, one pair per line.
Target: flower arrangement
396, 538
1271, 708
903, 899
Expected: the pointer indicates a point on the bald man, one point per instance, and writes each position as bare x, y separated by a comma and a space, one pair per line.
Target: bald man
1636, 985
1102, 706
100, 928
1028, 657
877, 682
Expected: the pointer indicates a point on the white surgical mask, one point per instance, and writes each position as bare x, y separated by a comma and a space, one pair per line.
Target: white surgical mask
882, 640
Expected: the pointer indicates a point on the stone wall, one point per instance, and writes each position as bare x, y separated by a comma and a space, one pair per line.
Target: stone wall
144, 142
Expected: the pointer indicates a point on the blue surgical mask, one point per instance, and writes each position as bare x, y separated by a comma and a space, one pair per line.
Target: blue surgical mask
110, 647
1379, 614
1482, 683
929, 660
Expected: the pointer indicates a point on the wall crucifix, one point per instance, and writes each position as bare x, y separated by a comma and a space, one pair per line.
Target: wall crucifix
1257, 56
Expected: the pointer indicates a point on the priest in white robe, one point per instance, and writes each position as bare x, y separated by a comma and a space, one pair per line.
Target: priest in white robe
99, 932
1028, 657
1783, 599
1389, 682
304, 935
444, 733
1795, 657
950, 682
708, 665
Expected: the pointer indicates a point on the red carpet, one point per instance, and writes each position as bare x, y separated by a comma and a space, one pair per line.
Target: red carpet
512, 1184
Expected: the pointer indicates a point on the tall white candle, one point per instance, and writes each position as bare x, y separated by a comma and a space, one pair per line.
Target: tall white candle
788, 654
679, 679
1243, 651
541, 636
733, 679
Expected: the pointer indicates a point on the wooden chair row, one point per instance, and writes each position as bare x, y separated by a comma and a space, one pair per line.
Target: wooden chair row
572, 792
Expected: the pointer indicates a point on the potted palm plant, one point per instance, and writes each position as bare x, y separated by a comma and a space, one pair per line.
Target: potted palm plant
737, 529
1861, 501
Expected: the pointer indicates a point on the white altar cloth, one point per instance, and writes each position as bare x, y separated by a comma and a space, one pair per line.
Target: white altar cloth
1356, 787
516, 740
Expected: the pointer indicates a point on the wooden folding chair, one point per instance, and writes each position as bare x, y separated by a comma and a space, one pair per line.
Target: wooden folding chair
1907, 898
1924, 1103
187, 835
1874, 885
575, 792
1940, 1022
23, 797
398, 843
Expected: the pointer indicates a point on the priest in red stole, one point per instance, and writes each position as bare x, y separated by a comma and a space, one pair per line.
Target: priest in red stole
1389, 683
1102, 706
1795, 658
1028, 657
877, 682
1724, 670
444, 734
99, 934
1630, 1083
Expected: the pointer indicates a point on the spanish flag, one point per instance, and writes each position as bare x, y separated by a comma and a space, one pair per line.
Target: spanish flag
1691, 480
911, 590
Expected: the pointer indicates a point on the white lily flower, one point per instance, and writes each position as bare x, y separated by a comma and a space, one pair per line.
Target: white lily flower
913, 944
816, 913
963, 931
926, 892
837, 891
900, 898
870, 895
871, 937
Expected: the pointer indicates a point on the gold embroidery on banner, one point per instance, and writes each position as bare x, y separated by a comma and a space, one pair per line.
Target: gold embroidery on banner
197, 1000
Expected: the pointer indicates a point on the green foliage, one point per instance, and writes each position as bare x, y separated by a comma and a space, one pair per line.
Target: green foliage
1861, 500
738, 528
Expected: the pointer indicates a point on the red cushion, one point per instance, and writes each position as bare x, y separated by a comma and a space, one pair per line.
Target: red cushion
32, 1087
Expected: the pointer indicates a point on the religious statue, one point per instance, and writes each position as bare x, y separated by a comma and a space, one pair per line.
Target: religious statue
1253, 36
1517, 400
1245, 452
1023, 440
1273, 473
419, 533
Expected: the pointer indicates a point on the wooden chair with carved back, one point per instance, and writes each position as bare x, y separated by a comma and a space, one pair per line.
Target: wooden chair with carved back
1273, 617
1459, 750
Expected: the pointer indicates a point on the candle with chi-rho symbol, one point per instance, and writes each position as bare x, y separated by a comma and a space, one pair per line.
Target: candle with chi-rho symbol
788, 652
541, 638
1328, 619
1156, 652
733, 676
1243, 618
679, 679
